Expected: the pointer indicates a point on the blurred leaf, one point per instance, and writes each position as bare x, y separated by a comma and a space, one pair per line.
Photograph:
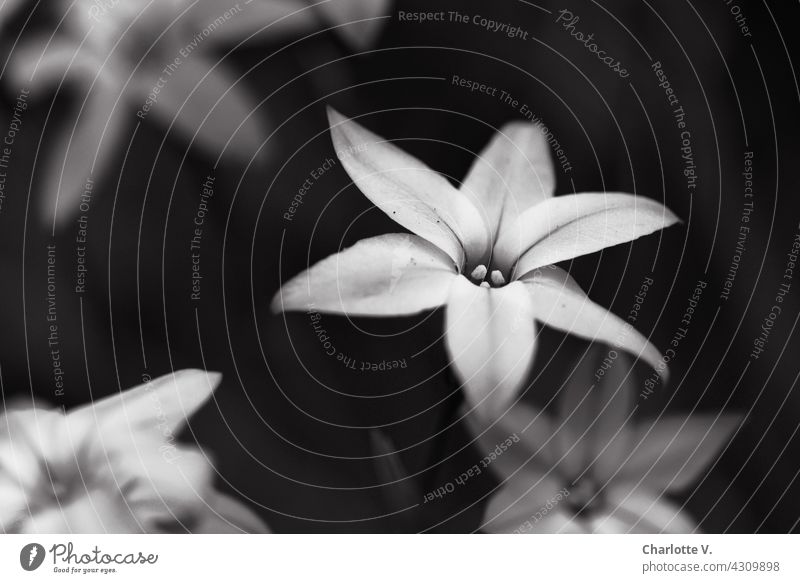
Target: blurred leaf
399, 488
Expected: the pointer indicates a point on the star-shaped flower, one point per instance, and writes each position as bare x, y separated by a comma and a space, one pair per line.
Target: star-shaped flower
589, 468
114, 466
485, 251
136, 60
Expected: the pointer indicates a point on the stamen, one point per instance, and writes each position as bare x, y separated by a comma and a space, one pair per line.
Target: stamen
479, 273
497, 278
485, 284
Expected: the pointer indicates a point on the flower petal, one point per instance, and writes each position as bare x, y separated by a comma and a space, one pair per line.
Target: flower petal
83, 148
513, 173
397, 486
558, 301
157, 408
639, 511
388, 275
569, 226
92, 511
30, 441
60, 59
490, 336
209, 105
164, 487
671, 454
407, 190
357, 22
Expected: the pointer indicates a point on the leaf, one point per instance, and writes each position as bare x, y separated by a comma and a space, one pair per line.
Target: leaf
638, 511
534, 429
83, 149
395, 481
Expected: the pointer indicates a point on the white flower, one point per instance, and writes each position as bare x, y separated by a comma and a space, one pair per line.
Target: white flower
485, 251
590, 469
134, 60
114, 466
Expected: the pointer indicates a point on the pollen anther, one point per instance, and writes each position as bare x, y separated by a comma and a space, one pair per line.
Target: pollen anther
497, 278
479, 273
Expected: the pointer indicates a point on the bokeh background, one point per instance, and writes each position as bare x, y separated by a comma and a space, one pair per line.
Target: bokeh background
296, 432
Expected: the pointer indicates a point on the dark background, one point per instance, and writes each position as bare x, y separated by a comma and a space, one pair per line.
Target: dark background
292, 429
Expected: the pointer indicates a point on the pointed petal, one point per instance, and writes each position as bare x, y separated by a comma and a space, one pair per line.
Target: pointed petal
569, 226
209, 105
512, 174
642, 512
490, 336
59, 59
398, 488
558, 301
164, 487
161, 405
82, 150
388, 275
407, 190
357, 22
672, 453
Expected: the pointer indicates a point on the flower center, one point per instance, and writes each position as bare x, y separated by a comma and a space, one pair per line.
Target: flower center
495, 278
584, 498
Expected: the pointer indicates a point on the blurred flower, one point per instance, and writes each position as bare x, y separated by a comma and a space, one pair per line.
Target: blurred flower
357, 23
590, 469
485, 251
114, 466
133, 60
